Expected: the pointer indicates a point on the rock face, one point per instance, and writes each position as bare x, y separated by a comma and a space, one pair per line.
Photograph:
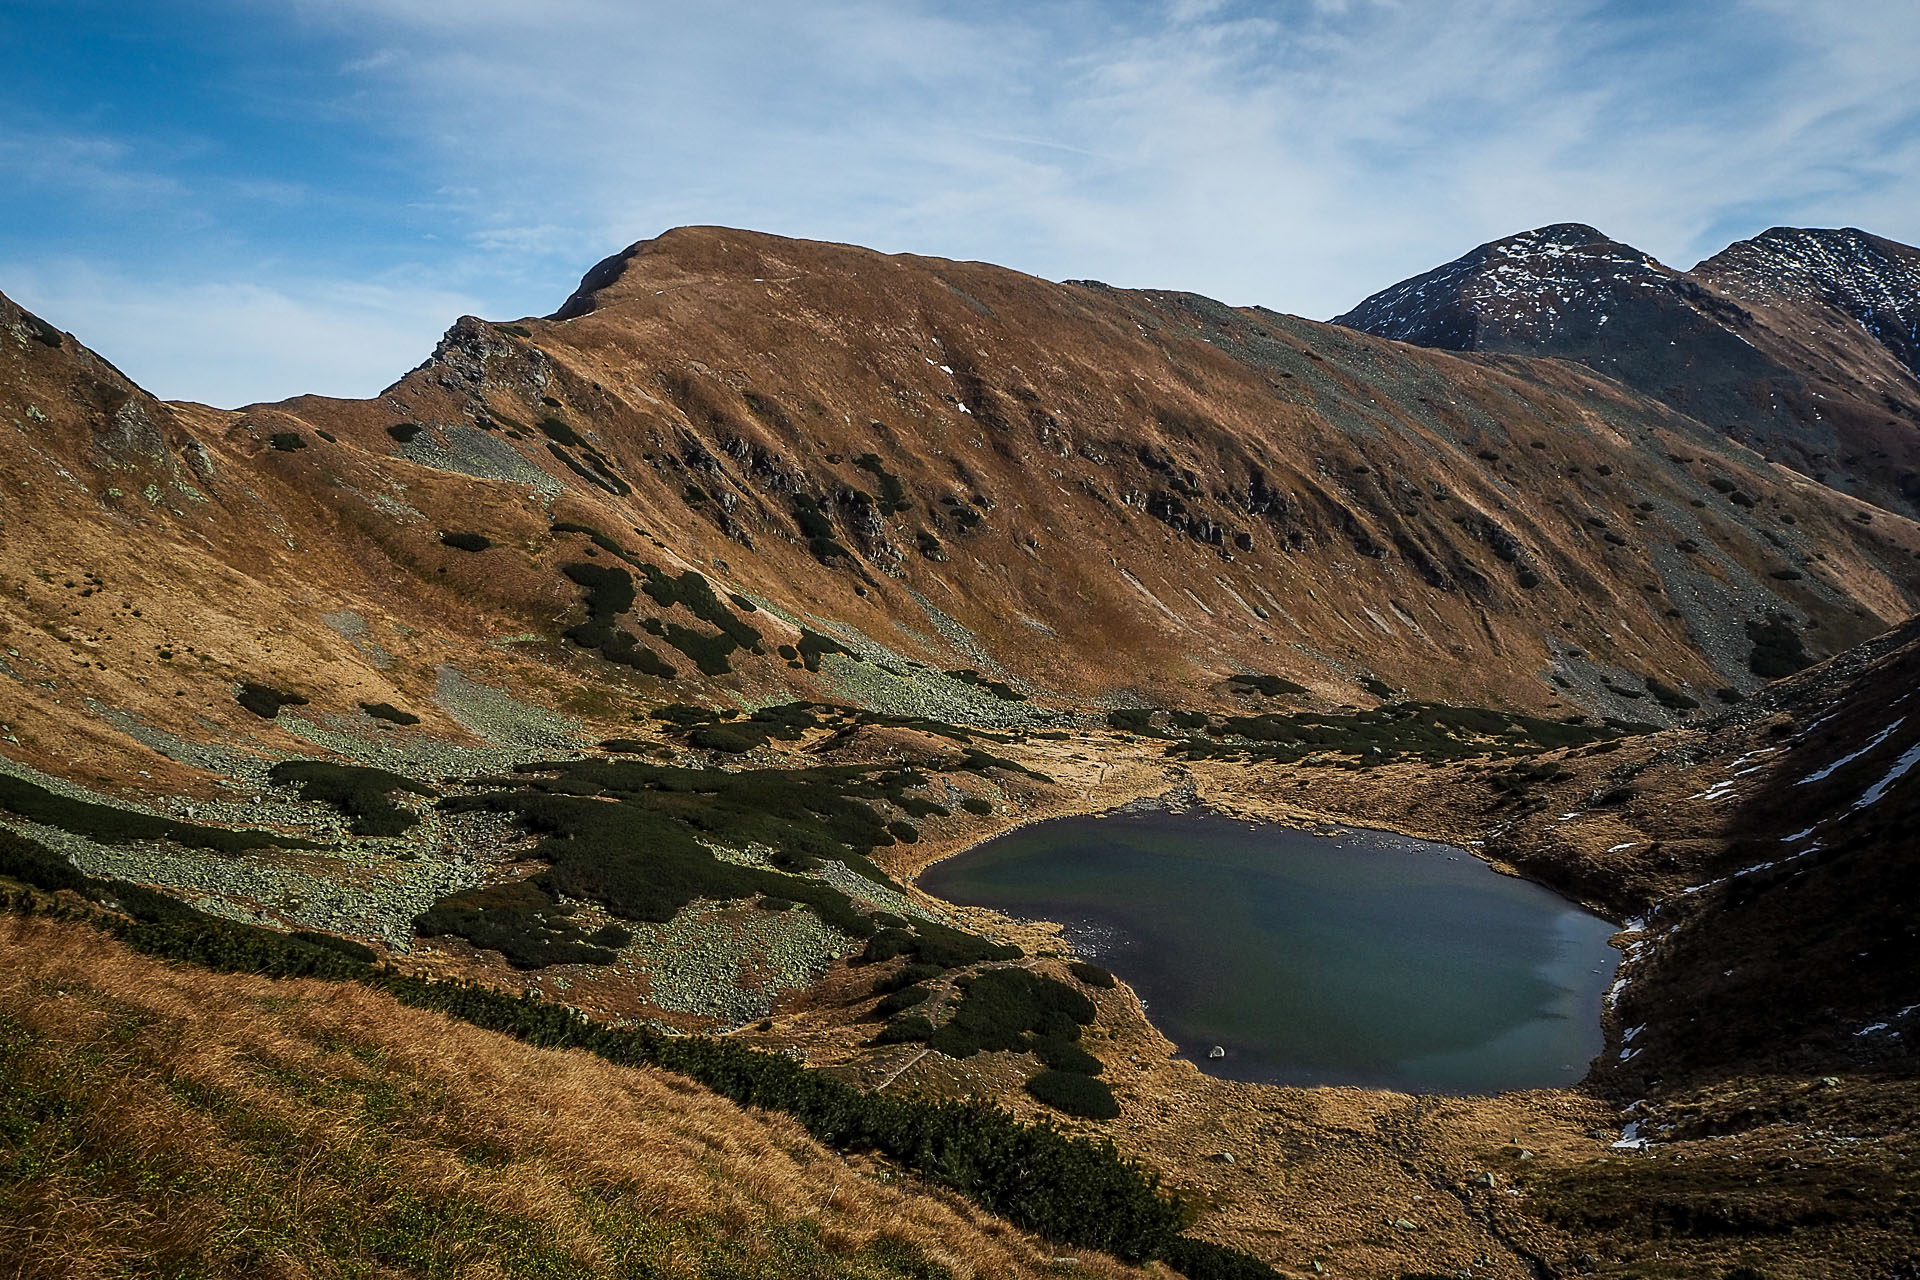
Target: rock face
1801, 343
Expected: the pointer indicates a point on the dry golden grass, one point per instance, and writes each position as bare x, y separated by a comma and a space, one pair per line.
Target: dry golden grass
159, 1120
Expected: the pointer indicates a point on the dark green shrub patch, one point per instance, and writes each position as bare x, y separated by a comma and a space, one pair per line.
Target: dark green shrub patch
1266, 686
1378, 688
814, 646
1006, 1008
1067, 1055
787, 721
811, 517
518, 920
1134, 720
1777, 648
908, 974
609, 590
1668, 696
938, 945
912, 1029
920, 808
684, 714
904, 998
893, 494
466, 541
110, 825
599, 540
1422, 730
732, 739
629, 835
404, 432
1075, 1094
359, 792
977, 806
998, 688
903, 831
609, 593
265, 701
557, 430
974, 760
32, 863
692, 590
287, 441
709, 653
1092, 974
390, 713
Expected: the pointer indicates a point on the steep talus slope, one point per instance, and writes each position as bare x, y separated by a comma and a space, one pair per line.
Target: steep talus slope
1799, 343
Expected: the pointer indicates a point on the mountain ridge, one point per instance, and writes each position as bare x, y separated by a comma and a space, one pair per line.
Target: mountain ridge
1799, 342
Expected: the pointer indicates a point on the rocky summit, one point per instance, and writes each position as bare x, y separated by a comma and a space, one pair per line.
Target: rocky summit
530, 765
1799, 343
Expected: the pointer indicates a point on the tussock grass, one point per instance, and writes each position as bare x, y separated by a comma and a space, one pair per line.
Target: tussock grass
162, 1120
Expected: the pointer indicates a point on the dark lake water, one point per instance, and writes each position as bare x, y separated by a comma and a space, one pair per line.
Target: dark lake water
1361, 959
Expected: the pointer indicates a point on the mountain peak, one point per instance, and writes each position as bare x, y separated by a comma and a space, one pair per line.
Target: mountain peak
1515, 292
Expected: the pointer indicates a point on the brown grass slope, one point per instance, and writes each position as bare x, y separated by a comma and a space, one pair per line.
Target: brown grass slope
1103, 494
159, 1120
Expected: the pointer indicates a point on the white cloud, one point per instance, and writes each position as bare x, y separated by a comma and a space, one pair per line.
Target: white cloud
1294, 153
231, 343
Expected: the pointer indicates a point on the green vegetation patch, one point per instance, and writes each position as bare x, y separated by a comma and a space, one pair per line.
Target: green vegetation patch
998, 688
1429, 731
893, 494
811, 518
814, 646
390, 713
1010, 1009
557, 430
466, 541
287, 441
265, 701
1076, 1094
1265, 686
930, 944
609, 593
519, 921
361, 793
1777, 648
692, 591
635, 837
404, 432
788, 721
1093, 975
1017, 1011
599, 540
110, 825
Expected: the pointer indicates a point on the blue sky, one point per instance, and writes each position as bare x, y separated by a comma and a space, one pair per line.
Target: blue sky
238, 200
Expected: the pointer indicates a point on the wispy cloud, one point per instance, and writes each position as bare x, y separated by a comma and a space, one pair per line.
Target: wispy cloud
1296, 153
237, 342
